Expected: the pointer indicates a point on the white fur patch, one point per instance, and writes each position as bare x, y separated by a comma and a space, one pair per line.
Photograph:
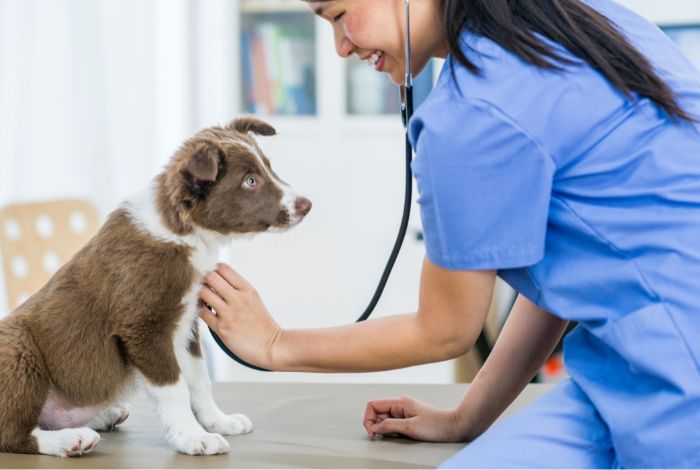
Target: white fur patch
205, 244
66, 442
183, 431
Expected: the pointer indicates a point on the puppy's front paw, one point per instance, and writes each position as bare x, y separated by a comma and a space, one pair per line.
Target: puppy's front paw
200, 443
229, 425
71, 442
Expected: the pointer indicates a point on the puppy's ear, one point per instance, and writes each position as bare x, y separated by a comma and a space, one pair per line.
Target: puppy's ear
201, 167
248, 124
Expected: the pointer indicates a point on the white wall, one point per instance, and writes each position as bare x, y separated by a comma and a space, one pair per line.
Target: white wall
666, 11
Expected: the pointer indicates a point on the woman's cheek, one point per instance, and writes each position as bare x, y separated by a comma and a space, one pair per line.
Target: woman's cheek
356, 26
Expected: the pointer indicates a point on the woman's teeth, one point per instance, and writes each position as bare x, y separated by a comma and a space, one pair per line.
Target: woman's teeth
374, 58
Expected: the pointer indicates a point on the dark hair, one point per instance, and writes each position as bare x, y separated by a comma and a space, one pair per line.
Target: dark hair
516, 24
588, 35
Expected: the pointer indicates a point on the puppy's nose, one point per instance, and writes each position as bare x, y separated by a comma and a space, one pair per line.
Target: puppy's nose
302, 206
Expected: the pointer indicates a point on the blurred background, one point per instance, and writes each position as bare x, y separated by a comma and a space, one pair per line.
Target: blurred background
96, 95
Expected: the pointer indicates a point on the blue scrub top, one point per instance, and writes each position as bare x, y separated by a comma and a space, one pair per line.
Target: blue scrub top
588, 203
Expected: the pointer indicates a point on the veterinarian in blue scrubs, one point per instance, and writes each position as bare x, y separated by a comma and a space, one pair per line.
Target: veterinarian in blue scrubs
560, 152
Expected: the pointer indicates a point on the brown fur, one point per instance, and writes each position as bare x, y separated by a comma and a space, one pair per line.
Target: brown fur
214, 176
116, 304
82, 337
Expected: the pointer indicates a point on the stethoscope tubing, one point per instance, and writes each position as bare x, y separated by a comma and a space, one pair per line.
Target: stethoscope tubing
406, 113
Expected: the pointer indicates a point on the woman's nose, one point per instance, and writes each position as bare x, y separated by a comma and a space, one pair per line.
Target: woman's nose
343, 46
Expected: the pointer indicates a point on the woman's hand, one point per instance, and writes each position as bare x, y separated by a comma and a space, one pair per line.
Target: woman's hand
412, 418
239, 318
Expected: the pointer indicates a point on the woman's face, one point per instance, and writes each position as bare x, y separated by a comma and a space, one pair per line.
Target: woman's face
374, 31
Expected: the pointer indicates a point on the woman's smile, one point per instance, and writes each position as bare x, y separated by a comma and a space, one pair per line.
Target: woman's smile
374, 31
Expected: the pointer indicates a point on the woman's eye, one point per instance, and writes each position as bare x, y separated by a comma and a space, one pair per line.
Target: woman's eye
250, 181
337, 17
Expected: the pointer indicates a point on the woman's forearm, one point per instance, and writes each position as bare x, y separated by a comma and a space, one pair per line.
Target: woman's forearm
452, 310
527, 340
379, 344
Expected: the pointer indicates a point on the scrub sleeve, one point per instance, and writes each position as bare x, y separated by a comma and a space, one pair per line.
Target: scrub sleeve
489, 180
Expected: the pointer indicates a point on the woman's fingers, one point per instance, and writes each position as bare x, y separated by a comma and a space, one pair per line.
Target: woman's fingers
209, 317
412, 418
231, 276
211, 298
394, 426
378, 411
215, 293
241, 318
220, 286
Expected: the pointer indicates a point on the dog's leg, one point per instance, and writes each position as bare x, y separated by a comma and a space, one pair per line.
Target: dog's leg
194, 370
24, 388
183, 430
109, 418
165, 384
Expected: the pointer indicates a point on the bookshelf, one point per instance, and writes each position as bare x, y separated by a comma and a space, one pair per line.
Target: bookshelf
278, 62
282, 60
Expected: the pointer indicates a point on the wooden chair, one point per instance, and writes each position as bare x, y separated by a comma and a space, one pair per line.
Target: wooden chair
38, 238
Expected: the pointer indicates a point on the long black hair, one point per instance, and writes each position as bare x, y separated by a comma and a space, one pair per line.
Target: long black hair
519, 26
588, 35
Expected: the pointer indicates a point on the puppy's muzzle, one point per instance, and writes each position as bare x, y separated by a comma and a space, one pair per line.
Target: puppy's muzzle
302, 206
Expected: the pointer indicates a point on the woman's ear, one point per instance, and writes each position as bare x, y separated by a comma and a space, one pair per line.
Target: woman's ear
248, 124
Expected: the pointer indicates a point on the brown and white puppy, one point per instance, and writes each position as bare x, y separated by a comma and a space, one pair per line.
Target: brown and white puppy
124, 310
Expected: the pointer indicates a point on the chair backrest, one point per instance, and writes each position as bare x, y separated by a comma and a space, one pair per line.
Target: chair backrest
38, 238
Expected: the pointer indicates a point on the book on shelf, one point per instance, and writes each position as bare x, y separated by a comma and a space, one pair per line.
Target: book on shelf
278, 70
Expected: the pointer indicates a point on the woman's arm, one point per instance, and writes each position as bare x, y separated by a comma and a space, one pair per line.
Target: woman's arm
452, 310
528, 338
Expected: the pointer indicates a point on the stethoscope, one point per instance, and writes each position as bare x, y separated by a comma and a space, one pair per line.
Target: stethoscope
406, 94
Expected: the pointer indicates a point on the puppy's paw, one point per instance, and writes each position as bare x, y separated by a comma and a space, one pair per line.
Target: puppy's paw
198, 443
229, 425
109, 419
67, 442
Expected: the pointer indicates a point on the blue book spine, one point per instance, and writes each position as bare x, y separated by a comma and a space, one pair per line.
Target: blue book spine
247, 72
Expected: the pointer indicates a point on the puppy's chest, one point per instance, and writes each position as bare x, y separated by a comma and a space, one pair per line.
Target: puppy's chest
203, 259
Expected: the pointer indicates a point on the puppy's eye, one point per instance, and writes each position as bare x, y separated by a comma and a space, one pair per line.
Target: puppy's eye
250, 181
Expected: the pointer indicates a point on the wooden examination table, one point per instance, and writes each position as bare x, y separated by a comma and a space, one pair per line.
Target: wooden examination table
296, 425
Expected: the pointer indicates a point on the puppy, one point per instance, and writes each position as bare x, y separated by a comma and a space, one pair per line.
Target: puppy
124, 310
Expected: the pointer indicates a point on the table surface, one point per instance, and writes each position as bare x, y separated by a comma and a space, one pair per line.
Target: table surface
296, 426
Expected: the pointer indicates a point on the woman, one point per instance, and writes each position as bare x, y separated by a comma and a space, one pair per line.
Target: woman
559, 150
